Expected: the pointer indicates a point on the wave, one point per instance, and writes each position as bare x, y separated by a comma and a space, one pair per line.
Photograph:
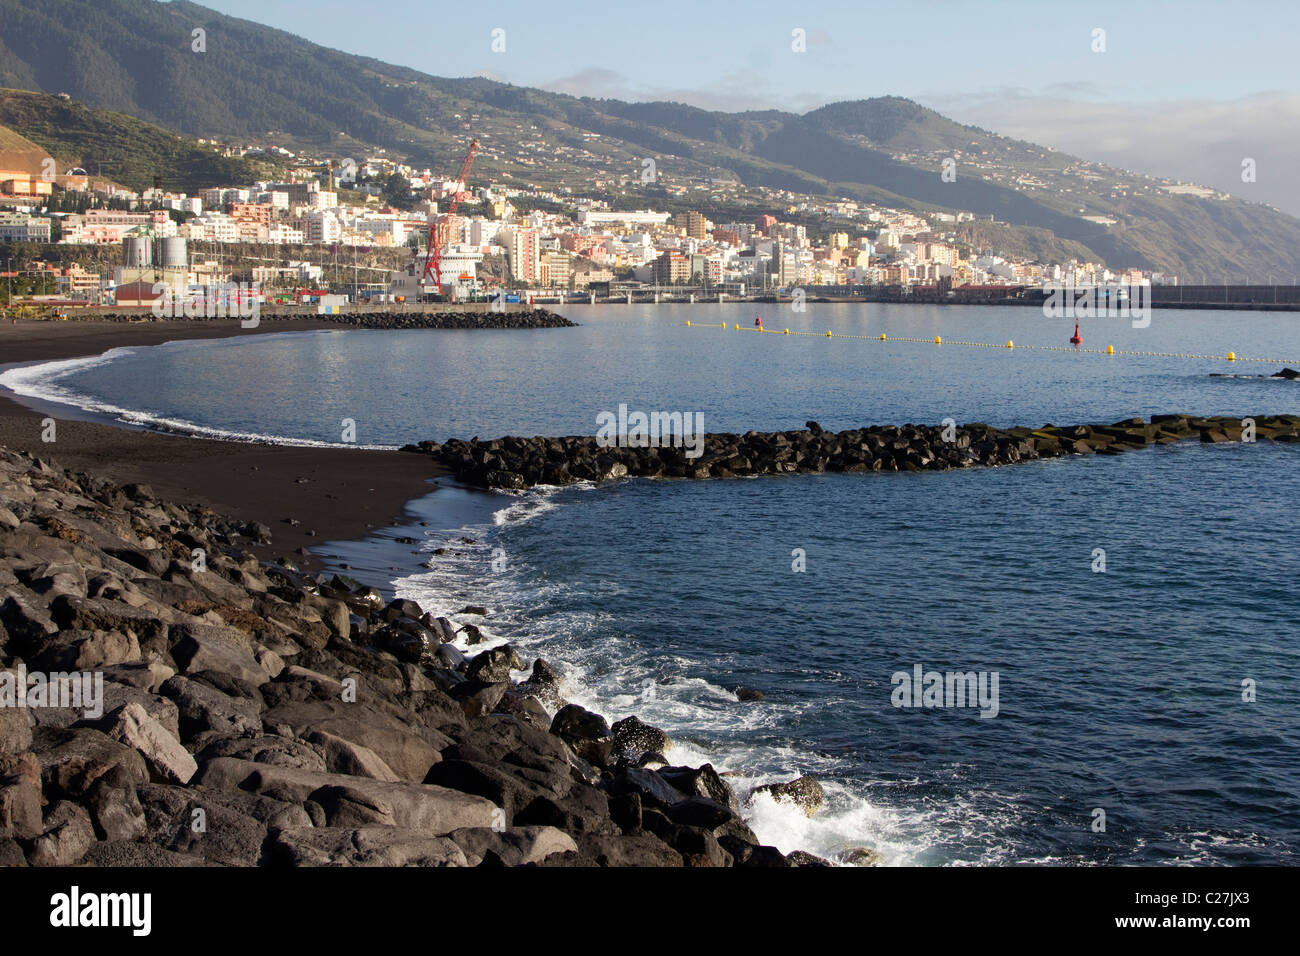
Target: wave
611, 672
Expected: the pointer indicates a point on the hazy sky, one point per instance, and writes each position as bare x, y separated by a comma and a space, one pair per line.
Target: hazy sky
1185, 89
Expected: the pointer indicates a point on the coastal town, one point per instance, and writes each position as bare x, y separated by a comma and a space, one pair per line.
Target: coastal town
495, 239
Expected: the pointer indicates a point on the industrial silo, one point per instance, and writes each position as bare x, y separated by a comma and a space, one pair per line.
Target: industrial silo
172, 253
137, 252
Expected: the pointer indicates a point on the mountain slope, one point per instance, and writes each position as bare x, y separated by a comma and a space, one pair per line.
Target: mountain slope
19, 153
135, 56
126, 150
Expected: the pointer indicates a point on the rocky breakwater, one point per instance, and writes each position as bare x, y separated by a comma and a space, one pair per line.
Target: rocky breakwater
516, 463
167, 700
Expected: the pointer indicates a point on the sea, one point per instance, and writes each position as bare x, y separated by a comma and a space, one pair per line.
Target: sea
1125, 624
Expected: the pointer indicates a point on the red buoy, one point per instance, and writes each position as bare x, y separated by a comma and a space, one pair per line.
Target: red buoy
1076, 338
758, 321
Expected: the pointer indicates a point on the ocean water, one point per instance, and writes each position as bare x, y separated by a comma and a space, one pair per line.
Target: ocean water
1119, 691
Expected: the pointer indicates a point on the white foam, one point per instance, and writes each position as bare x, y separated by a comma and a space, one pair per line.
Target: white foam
615, 676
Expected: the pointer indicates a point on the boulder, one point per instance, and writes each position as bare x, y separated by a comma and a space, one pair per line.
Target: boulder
502, 784
72, 759
208, 647
494, 665
805, 792
114, 806
633, 737
416, 806
344, 756
544, 683
15, 726
123, 854
145, 675
702, 782
206, 710
802, 858
652, 789
73, 649
587, 733
161, 709
860, 856
267, 748
20, 797
407, 750
477, 697
363, 846
167, 759
512, 846
67, 836
642, 849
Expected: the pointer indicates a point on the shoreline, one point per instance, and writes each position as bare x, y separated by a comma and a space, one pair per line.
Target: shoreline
250, 483
319, 724
346, 494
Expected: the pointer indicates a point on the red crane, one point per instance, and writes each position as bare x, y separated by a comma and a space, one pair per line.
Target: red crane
439, 224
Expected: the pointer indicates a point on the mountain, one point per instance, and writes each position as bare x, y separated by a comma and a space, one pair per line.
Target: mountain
117, 147
17, 152
258, 83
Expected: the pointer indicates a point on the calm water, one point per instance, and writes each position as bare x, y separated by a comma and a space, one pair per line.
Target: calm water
405, 386
1119, 691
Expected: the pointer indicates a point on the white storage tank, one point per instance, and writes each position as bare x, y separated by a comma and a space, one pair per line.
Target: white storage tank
173, 253
137, 252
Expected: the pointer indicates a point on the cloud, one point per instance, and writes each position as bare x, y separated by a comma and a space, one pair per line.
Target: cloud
733, 92
1201, 141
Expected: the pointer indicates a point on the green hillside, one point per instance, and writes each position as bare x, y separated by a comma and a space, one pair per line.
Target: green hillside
119, 147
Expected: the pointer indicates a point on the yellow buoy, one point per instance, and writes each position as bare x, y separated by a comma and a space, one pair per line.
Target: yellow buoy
1110, 350
828, 334
787, 332
882, 336
1010, 344
938, 341
1232, 356
723, 324
688, 321
736, 326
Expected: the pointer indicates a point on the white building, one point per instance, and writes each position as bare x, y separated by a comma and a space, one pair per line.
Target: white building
590, 217
321, 226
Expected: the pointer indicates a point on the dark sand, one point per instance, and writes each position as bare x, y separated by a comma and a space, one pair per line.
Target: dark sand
346, 493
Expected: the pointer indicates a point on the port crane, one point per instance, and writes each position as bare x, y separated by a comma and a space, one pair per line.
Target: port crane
438, 225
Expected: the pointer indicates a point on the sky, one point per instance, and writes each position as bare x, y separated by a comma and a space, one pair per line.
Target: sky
1184, 89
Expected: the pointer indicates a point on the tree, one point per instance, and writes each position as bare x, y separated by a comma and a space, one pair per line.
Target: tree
397, 192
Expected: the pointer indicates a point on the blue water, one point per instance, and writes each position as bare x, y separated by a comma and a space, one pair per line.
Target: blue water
404, 386
1119, 691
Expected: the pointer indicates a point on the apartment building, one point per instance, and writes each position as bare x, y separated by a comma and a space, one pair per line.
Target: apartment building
672, 267
20, 227
523, 252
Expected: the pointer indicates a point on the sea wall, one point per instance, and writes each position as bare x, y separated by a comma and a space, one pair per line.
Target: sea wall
239, 713
516, 463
